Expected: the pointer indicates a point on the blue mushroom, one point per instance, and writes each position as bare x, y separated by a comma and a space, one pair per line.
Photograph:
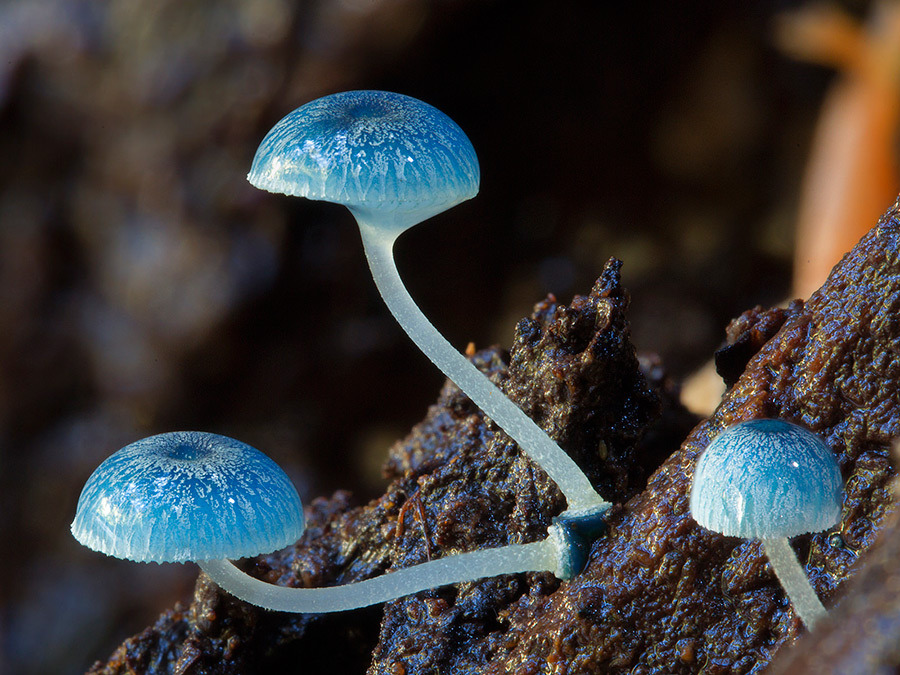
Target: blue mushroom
193, 496
395, 161
187, 495
769, 479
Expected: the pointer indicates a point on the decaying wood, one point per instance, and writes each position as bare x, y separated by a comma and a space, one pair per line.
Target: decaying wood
659, 594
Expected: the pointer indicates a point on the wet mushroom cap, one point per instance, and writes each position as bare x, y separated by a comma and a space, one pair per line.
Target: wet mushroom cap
187, 496
371, 151
764, 479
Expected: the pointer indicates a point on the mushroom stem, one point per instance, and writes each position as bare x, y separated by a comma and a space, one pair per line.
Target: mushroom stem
541, 556
378, 241
794, 580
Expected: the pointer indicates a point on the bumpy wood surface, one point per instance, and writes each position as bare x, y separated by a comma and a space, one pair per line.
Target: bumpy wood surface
659, 595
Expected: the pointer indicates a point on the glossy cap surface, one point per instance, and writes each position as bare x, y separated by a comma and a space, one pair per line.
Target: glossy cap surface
187, 496
374, 151
766, 478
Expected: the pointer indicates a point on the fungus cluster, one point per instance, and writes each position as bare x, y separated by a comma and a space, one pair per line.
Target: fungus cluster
394, 161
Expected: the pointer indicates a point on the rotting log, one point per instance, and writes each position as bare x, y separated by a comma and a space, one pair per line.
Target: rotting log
659, 594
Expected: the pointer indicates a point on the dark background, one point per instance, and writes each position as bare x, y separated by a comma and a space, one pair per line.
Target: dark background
146, 287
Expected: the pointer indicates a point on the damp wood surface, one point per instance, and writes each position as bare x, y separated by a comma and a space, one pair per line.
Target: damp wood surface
659, 594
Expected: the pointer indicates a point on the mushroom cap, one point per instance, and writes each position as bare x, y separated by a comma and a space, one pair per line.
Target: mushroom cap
766, 478
187, 495
376, 152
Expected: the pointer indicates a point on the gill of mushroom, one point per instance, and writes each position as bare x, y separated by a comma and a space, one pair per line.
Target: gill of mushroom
197, 496
395, 161
769, 479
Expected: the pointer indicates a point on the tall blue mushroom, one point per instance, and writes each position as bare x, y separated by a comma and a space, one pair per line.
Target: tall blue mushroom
395, 161
194, 496
769, 479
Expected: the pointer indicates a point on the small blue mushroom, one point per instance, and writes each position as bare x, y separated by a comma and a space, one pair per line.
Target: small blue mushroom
769, 479
193, 496
187, 495
395, 161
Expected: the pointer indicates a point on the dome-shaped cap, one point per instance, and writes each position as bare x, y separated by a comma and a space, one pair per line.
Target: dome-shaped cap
371, 151
187, 495
765, 479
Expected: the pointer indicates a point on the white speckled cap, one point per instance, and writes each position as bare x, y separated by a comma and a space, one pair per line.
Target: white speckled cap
187, 495
766, 478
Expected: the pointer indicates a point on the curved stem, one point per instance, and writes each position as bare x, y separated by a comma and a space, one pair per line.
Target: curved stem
794, 581
540, 556
578, 491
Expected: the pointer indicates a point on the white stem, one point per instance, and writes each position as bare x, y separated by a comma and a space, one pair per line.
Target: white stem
533, 441
537, 557
794, 581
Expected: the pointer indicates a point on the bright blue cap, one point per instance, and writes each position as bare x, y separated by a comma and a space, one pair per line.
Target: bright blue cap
374, 151
766, 479
187, 495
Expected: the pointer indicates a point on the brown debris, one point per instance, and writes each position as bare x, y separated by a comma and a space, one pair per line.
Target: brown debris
659, 594
746, 335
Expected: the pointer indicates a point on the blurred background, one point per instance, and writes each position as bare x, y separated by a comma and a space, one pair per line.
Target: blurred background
145, 286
